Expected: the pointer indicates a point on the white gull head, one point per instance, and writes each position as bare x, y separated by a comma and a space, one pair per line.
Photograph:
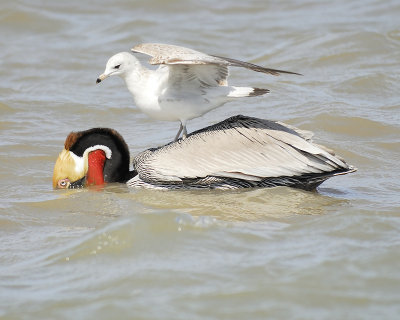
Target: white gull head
119, 64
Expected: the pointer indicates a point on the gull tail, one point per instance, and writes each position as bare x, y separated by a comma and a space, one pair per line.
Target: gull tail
240, 92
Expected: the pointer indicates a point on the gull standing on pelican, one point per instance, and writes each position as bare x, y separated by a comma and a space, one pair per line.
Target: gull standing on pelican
239, 152
186, 85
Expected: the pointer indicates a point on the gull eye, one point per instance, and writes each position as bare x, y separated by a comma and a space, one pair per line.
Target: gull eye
63, 184
117, 66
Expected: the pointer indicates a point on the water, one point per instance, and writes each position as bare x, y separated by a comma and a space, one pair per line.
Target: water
258, 254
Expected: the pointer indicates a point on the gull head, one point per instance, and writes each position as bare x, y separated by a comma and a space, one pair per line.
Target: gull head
118, 65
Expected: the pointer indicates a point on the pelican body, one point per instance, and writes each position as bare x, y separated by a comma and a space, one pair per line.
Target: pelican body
186, 85
239, 152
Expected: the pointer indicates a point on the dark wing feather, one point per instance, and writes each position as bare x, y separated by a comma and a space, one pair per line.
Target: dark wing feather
240, 147
254, 67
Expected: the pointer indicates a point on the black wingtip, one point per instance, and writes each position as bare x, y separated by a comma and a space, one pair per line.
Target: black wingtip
276, 72
258, 92
255, 67
288, 72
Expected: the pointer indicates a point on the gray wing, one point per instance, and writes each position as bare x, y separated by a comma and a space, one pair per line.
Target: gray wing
186, 65
171, 54
239, 147
183, 77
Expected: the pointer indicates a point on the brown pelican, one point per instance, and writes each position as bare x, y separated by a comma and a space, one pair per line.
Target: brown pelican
239, 152
187, 84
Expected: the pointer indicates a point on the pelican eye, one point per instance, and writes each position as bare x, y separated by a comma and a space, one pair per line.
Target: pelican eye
117, 66
63, 184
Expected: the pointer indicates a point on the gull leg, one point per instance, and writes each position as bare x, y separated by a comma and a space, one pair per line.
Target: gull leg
179, 132
184, 134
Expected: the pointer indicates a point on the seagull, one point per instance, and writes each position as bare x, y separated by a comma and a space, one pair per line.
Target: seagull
239, 152
186, 85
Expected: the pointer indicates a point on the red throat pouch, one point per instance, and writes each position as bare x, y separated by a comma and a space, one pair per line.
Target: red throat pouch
96, 160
